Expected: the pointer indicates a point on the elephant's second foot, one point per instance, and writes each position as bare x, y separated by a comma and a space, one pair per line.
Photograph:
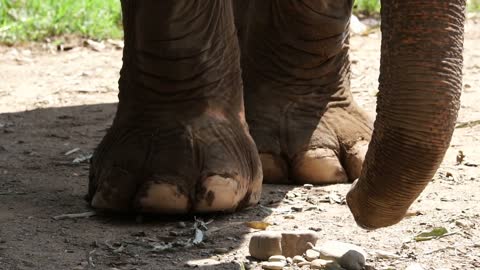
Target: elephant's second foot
299, 107
206, 164
304, 141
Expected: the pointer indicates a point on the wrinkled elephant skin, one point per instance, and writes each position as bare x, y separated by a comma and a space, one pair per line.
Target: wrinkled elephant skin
217, 97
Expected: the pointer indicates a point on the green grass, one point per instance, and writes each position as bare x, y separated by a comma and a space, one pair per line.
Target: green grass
367, 7
371, 7
34, 20
474, 5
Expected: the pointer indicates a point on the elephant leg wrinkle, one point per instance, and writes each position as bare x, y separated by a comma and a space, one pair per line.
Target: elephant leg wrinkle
179, 142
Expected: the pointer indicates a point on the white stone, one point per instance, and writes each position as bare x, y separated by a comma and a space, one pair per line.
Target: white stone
357, 27
303, 263
311, 254
277, 258
349, 256
325, 265
414, 266
287, 243
265, 244
319, 264
273, 265
298, 259
202, 262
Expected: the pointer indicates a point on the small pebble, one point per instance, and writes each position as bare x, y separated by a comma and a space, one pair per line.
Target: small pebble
311, 255
288, 243
303, 263
349, 256
202, 262
297, 242
320, 264
220, 250
273, 265
464, 224
298, 259
414, 266
277, 258
297, 208
289, 260
308, 186
265, 244
181, 225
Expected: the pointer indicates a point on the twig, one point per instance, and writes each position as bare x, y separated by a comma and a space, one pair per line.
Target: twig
468, 124
90, 257
72, 151
77, 215
438, 249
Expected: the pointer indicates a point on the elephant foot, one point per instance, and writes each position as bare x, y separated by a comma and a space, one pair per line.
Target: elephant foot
298, 103
301, 142
207, 164
179, 143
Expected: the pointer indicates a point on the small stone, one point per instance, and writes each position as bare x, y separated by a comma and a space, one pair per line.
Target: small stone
298, 259
414, 266
464, 224
265, 244
357, 27
308, 186
289, 243
319, 264
277, 258
181, 225
303, 263
297, 208
349, 256
220, 250
381, 254
202, 262
297, 242
311, 255
289, 260
273, 265
96, 46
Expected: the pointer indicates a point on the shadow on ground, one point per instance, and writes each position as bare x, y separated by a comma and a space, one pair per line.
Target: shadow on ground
39, 181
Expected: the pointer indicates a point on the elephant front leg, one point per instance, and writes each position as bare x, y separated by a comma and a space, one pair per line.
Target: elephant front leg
179, 142
298, 102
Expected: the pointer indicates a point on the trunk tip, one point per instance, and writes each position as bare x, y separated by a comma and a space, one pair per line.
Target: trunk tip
367, 214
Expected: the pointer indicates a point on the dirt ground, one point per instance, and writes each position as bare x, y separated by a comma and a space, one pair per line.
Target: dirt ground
52, 102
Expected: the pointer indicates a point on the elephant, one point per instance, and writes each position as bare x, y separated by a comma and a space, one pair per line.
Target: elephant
217, 97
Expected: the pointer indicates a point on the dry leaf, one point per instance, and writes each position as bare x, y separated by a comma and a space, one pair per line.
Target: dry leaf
434, 233
259, 225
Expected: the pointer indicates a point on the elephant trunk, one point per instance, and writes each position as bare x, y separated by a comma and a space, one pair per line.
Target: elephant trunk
419, 97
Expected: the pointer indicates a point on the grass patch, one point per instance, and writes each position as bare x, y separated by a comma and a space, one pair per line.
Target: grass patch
473, 5
367, 7
372, 7
34, 20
